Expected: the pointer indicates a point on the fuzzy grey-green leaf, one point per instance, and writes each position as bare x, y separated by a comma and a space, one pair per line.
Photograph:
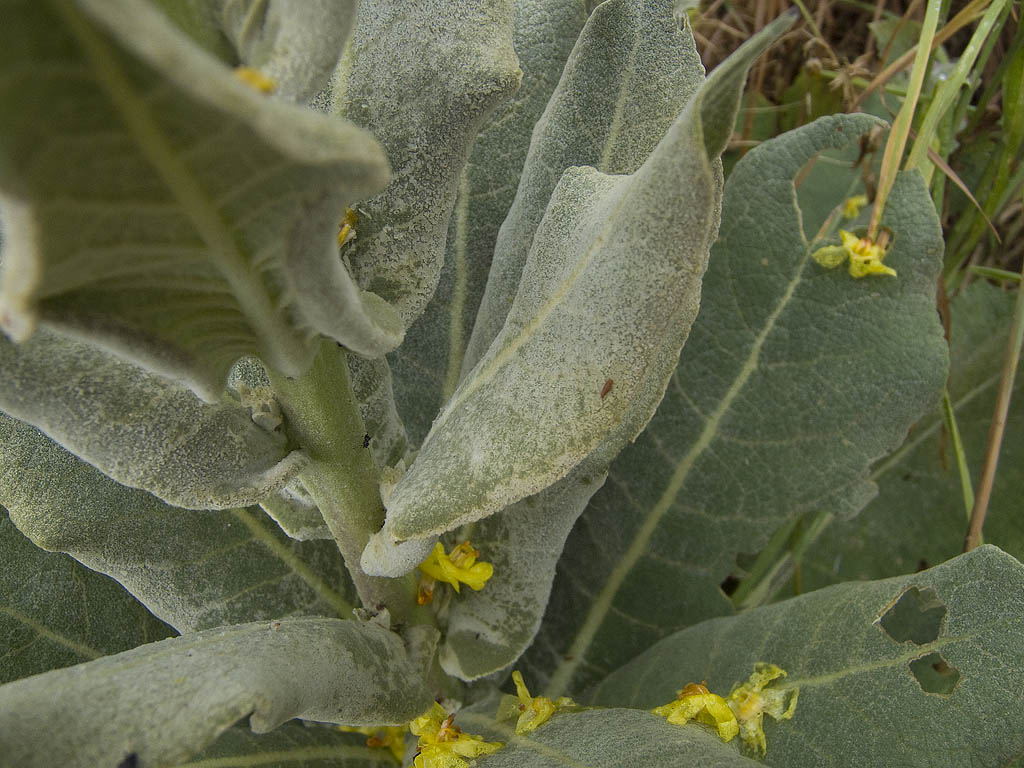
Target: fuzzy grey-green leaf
794, 380
427, 366
490, 629
165, 701
54, 612
630, 74
423, 77
605, 738
593, 335
296, 45
141, 429
919, 490
865, 699
192, 569
168, 210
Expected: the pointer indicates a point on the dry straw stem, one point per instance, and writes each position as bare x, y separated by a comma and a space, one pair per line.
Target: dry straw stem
995, 435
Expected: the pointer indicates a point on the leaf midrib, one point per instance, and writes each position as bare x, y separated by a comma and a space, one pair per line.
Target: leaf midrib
223, 250
602, 605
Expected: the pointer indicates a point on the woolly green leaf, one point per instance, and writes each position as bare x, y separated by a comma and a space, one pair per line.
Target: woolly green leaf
198, 19
296, 45
594, 333
140, 429
194, 570
167, 700
794, 380
609, 738
169, 211
628, 78
919, 492
54, 612
290, 746
427, 365
921, 670
490, 629
423, 77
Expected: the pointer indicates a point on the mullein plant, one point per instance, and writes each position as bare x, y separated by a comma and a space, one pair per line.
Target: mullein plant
334, 337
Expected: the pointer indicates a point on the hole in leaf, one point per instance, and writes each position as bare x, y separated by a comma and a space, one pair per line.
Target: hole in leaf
729, 584
915, 616
934, 674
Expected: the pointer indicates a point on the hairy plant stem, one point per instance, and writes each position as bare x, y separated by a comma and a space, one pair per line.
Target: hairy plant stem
342, 477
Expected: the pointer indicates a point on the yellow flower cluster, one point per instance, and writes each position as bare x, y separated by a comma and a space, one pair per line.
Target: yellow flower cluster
864, 255
255, 79
742, 712
852, 206
444, 745
530, 712
458, 567
346, 230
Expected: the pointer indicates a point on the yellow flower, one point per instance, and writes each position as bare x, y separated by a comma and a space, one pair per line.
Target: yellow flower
255, 79
754, 699
444, 745
852, 206
346, 230
390, 736
531, 711
459, 567
696, 702
865, 256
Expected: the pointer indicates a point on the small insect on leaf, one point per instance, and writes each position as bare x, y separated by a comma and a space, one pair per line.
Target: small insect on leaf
606, 388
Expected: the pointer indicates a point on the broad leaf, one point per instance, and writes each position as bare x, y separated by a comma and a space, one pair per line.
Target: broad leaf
427, 366
921, 670
192, 569
728, 458
141, 429
595, 331
55, 612
628, 78
919, 518
490, 629
165, 701
293, 745
296, 45
169, 211
609, 738
422, 77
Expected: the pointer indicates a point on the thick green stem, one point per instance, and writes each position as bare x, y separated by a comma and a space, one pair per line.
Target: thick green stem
323, 418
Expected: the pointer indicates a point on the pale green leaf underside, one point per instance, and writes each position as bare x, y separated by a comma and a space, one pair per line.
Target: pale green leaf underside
860, 701
54, 612
794, 380
192, 569
141, 429
627, 79
156, 204
605, 738
427, 365
448, 63
919, 491
592, 308
293, 745
296, 45
167, 700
